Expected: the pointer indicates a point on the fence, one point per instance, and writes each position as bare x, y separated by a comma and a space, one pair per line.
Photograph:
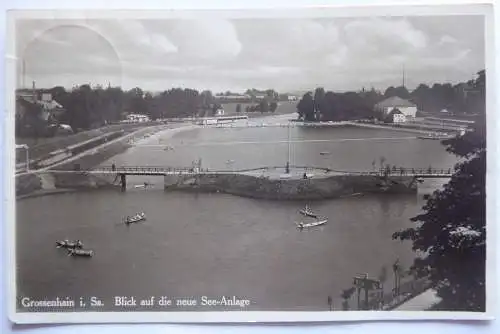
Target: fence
380, 300
407, 290
381, 172
402, 171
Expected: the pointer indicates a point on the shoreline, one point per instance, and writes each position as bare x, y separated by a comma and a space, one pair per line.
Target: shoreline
42, 181
48, 181
45, 192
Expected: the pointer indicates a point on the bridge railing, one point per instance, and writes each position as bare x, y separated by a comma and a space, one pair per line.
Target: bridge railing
143, 169
415, 171
394, 171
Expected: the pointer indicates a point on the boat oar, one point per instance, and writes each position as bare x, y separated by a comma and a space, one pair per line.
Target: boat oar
123, 222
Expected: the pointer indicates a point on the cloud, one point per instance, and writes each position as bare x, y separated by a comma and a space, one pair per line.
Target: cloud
447, 39
205, 39
291, 42
285, 54
384, 35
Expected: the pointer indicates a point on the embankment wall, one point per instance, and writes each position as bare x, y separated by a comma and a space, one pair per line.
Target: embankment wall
291, 189
236, 184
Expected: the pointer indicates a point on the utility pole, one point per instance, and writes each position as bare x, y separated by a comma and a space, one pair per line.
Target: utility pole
27, 154
23, 79
288, 156
404, 76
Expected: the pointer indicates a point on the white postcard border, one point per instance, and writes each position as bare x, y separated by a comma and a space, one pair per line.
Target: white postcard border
429, 9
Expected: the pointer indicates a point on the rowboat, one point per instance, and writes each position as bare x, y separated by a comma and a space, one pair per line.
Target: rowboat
69, 244
324, 153
302, 225
145, 185
135, 219
80, 252
307, 212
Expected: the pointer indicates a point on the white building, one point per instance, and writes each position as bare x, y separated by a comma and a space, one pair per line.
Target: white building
397, 116
407, 108
137, 118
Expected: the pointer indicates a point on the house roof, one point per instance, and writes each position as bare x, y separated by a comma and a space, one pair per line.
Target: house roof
394, 101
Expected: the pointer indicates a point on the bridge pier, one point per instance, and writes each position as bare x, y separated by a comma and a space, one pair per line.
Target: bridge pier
123, 181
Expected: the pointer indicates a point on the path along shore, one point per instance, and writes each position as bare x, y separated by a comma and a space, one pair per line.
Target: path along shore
33, 183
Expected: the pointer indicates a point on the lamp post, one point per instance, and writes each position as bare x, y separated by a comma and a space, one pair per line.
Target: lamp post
396, 269
26, 148
287, 167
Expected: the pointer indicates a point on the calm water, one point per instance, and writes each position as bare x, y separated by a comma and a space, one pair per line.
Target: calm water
214, 244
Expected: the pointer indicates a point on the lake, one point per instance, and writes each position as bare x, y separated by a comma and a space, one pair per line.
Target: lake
194, 245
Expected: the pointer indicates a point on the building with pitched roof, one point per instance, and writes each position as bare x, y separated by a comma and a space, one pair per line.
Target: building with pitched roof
407, 108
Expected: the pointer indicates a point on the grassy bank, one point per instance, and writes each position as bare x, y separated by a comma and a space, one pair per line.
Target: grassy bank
31, 184
42, 147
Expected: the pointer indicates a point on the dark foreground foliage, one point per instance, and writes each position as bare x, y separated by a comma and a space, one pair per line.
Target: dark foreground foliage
450, 235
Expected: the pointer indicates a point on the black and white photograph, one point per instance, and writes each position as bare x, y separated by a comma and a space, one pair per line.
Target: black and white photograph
262, 165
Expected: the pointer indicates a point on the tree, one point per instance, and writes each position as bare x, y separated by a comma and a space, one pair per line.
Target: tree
273, 106
402, 92
305, 107
319, 101
346, 295
451, 233
390, 91
215, 108
264, 106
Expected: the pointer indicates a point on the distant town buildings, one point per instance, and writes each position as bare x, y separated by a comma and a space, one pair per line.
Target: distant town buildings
138, 118
37, 113
234, 98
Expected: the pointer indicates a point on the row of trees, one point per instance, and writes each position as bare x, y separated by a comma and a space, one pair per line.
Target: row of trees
88, 107
462, 98
263, 107
269, 93
330, 106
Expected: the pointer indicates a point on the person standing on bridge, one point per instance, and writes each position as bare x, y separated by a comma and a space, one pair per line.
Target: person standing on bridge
113, 167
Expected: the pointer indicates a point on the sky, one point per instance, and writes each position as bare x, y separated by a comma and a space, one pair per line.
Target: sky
288, 55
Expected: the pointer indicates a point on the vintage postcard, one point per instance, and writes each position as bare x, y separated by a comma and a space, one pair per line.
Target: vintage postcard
270, 165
